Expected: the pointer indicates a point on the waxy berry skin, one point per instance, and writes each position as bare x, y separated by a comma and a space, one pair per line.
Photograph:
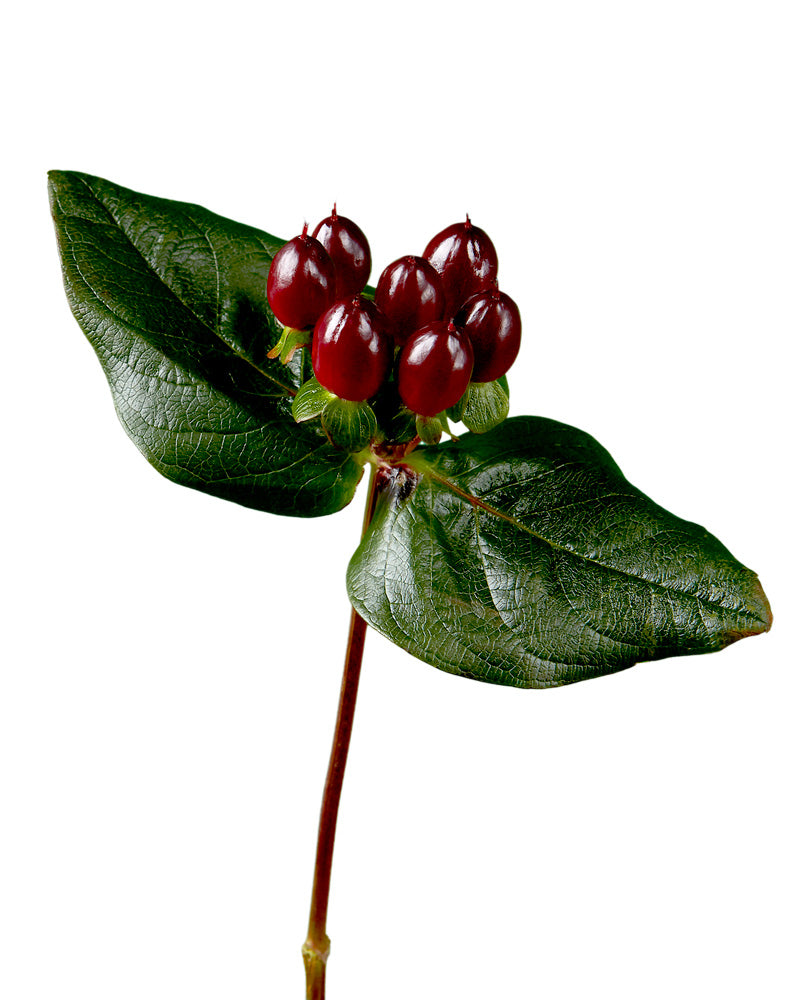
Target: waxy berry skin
466, 260
301, 282
435, 368
492, 322
409, 294
349, 251
351, 351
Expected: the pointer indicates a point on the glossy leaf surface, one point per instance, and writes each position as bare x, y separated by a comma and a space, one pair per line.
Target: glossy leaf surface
173, 299
524, 557
521, 556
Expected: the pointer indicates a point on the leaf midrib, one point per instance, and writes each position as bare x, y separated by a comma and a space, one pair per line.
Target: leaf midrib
427, 470
213, 330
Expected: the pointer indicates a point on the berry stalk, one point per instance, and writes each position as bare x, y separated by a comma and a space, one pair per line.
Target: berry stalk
317, 944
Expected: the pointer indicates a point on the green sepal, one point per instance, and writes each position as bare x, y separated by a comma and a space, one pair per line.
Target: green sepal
349, 425
403, 425
485, 406
291, 340
456, 412
396, 422
310, 400
430, 429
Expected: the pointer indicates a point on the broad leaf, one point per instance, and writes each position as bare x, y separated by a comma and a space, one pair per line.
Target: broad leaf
173, 300
523, 557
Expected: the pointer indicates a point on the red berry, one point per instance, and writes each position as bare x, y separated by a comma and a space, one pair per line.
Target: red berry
409, 294
301, 282
349, 250
466, 259
492, 322
351, 352
434, 369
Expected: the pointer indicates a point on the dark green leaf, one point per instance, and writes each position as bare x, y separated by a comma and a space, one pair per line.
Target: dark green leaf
523, 557
173, 300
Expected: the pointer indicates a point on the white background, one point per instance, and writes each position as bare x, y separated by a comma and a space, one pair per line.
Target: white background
172, 662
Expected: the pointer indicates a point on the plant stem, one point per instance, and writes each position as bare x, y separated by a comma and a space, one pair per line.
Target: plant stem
317, 945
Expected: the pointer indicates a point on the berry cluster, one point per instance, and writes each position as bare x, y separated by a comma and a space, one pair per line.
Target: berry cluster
439, 333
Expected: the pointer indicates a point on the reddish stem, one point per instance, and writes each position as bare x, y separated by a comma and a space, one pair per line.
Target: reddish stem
317, 945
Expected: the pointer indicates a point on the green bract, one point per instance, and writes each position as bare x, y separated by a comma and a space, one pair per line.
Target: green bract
518, 556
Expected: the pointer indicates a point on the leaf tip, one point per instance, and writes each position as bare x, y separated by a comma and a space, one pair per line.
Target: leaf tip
759, 611
56, 178
58, 183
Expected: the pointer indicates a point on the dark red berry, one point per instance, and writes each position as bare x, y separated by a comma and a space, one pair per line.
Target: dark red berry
434, 368
351, 352
492, 322
466, 259
301, 282
409, 294
349, 250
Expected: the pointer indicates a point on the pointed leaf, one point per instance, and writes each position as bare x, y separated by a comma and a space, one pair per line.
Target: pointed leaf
523, 557
173, 300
